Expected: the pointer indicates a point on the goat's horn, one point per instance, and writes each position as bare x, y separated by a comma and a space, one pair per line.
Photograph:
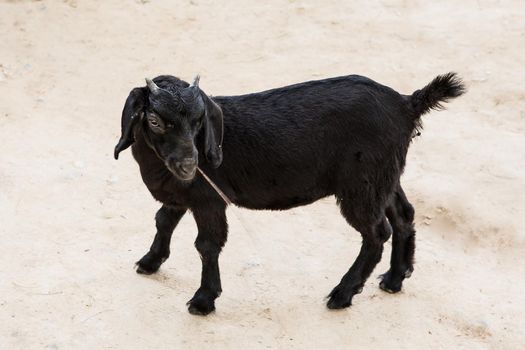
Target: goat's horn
196, 81
152, 86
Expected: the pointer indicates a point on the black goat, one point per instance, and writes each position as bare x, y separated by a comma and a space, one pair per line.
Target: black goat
345, 136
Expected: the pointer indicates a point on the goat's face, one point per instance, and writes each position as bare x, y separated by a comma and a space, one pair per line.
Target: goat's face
172, 122
171, 118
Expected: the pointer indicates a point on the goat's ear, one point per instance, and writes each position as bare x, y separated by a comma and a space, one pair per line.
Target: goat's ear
213, 131
131, 114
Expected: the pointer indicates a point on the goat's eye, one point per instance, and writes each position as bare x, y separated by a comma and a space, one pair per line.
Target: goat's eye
155, 123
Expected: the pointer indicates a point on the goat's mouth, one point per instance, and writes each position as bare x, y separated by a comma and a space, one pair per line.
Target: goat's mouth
183, 173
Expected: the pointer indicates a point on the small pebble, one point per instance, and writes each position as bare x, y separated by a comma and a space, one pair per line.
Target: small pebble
113, 179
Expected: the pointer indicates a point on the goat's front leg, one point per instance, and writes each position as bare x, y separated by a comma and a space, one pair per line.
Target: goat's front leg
166, 220
213, 232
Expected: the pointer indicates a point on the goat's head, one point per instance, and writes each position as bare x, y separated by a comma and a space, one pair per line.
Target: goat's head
171, 115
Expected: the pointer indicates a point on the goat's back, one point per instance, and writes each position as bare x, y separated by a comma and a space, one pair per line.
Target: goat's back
308, 140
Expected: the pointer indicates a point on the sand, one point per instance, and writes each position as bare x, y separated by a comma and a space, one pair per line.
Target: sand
74, 221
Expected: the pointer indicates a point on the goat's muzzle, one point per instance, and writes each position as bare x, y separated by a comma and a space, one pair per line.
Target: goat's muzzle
185, 169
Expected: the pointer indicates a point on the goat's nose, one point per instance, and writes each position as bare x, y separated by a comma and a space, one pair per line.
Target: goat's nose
187, 165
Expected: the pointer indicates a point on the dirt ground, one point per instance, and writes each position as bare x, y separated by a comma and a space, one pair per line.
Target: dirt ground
73, 221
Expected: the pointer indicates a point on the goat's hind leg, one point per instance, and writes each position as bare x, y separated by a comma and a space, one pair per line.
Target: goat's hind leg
375, 231
166, 220
400, 213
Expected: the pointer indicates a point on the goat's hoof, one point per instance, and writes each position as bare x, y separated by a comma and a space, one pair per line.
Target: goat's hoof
200, 306
144, 271
392, 290
149, 264
391, 283
203, 302
339, 299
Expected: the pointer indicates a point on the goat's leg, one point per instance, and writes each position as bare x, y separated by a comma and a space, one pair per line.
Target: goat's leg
166, 220
374, 235
213, 232
400, 213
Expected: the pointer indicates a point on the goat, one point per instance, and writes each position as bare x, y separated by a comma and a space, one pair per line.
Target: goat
278, 149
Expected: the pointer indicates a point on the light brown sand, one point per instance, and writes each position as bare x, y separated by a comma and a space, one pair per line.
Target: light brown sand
73, 221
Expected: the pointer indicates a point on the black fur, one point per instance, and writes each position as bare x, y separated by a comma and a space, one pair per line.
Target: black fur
277, 149
441, 89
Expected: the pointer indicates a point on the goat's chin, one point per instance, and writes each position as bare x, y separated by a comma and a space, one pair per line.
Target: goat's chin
184, 178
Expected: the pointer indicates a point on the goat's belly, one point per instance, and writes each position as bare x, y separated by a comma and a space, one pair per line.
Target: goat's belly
278, 202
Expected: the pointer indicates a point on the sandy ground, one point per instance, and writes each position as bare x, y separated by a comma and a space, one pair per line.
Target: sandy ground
74, 221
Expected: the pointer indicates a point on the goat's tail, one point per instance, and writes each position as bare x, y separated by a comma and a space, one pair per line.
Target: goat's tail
441, 89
